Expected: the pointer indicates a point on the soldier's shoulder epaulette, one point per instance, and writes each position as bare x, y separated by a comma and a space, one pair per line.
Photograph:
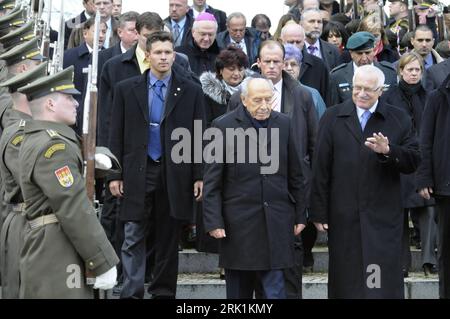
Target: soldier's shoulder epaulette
339, 67
53, 134
17, 140
22, 123
388, 65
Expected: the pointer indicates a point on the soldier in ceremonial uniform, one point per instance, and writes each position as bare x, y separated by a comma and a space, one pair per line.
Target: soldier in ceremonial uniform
397, 25
361, 46
7, 6
63, 238
10, 141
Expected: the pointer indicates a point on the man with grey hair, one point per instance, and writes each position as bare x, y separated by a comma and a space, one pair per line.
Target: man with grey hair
363, 146
247, 209
312, 22
313, 71
202, 50
240, 36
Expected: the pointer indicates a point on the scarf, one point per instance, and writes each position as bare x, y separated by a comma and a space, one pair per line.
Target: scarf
409, 89
230, 89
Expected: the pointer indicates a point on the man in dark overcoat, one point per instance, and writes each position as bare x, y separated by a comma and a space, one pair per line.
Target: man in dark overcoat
362, 147
253, 212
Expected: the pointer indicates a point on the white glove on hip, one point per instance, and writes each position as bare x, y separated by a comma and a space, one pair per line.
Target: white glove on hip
107, 280
102, 161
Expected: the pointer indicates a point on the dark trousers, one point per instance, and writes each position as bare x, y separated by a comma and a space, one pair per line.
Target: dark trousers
242, 283
165, 245
443, 210
309, 237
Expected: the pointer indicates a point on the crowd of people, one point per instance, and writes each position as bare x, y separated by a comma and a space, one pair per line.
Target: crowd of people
349, 106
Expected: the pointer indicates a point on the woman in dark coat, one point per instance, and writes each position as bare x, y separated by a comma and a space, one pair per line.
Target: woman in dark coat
230, 71
410, 96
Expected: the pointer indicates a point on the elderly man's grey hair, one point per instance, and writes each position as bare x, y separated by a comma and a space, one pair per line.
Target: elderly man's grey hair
236, 15
291, 26
370, 69
196, 24
246, 83
308, 11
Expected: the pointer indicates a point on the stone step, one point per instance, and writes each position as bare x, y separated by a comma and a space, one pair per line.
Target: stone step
191, 261
209, 286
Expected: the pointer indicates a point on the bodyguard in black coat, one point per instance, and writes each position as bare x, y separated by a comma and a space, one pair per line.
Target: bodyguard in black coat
315, 74
356, 192
256, 210
156, 192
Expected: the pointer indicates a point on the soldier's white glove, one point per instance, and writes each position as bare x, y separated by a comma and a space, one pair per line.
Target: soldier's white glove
107, 280
102, 161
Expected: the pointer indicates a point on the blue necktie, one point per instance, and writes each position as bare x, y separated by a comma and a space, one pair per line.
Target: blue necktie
156, 110
364, 118
176, 35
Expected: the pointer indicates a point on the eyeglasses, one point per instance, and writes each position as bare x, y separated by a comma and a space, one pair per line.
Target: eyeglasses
358, 88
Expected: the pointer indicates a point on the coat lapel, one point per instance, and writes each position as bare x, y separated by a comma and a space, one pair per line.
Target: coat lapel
174, 95
288, 105
351, 120
140, 91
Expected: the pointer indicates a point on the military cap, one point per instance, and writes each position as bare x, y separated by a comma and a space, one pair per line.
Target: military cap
28, 50
61, 82
7, 4
25, 78
361, 41
24, 33
13, 19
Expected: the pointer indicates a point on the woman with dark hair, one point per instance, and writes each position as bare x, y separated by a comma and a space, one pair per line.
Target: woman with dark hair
335, 33
410, 95
218, 87
230, 70
286, 18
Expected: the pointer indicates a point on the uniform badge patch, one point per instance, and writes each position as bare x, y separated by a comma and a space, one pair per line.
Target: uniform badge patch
52, 133
54, 148
64, 176
17, 140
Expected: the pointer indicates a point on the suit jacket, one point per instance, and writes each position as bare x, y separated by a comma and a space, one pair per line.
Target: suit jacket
73, 24
314, 73
76, 37
298, 104
129, 138
330, 54
187, 32
221, 17
251, 39
257, 211
357, 192
117, 69
105, 55
435, 75
80, 58
341, 80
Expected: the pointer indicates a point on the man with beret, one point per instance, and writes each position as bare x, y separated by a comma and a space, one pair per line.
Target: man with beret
12, 230
361, 47
63, 238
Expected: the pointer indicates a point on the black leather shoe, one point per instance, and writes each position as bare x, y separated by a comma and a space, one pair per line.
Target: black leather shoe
429, 269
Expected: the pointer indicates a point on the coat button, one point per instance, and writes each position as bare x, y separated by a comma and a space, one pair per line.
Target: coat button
266, 204
91, 264
140, 168
397, 160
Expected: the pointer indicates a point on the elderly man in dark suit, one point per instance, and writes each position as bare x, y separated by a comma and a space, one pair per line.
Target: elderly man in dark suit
80, 57
312, 22
361, 46
255, 212
313, 71
363, 146
155, 188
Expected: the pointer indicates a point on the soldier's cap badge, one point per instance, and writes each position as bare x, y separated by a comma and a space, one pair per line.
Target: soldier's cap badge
64, 176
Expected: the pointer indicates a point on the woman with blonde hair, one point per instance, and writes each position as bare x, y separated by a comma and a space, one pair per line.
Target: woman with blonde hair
410, 95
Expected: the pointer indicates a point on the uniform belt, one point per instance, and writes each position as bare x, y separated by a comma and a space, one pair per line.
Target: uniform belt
43, 220
19, 208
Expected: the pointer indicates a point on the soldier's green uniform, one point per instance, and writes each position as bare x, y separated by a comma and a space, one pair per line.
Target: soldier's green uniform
11, 235
63, 237
341, 77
